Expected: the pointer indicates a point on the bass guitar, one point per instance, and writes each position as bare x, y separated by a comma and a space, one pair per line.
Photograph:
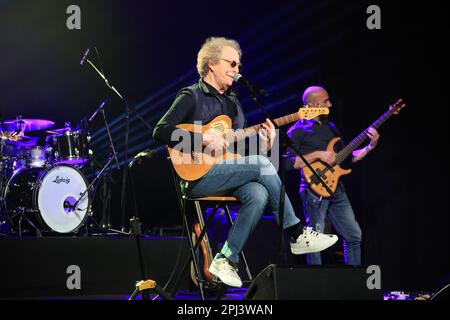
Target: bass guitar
330, 175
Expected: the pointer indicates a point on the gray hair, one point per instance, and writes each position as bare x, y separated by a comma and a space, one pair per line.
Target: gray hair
211, 51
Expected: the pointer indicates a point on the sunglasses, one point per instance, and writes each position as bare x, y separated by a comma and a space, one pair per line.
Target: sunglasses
233, 63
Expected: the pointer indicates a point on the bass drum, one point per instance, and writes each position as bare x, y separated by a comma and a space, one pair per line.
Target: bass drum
47, 197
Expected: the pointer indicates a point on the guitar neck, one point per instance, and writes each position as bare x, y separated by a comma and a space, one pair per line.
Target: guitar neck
234, 136
345, 152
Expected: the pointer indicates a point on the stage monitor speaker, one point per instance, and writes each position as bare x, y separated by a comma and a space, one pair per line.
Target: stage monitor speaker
442, 294
313, 283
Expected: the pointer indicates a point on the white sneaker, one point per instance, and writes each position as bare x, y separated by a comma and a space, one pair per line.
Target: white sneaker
311, 241
221, 268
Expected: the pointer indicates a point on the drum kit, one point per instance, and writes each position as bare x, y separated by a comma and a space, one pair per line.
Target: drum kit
42, 183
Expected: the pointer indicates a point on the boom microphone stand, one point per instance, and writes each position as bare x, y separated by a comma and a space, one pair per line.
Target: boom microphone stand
144, 285
74, 206
129, 111
105, 223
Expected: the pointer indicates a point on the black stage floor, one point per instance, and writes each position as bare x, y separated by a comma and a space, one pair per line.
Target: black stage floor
106, 267
85, 266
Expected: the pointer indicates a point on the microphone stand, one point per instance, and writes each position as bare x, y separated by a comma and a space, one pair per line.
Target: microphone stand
105, 222
106, 218
145, 285
291, 144
111, 144
129, 110
74, 207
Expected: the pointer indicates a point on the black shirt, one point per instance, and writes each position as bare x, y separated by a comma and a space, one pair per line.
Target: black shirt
310, 136
183, 109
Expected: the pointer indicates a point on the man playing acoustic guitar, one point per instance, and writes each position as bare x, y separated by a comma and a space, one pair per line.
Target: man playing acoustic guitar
312, 138
253, 180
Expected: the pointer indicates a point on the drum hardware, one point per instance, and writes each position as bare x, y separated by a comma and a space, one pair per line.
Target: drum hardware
23, 216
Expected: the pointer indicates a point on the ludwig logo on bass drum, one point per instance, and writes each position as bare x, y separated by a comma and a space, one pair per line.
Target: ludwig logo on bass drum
59, 180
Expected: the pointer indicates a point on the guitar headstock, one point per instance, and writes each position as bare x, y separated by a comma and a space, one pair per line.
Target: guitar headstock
399, 105
308, 113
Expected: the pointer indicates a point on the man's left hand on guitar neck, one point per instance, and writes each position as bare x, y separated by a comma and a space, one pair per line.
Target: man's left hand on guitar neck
267, 136
374, 136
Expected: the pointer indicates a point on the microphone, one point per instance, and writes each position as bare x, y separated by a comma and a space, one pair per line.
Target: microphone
69, 206
96, 111
254, 89
147, 153
85, 55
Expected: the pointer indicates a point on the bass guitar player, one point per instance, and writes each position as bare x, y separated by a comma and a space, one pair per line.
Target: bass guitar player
316, 140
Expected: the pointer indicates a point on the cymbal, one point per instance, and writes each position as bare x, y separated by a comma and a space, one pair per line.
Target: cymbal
21, 141
59, 131
25, 125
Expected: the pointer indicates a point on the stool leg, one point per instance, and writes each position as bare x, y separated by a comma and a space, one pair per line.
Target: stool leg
193, 250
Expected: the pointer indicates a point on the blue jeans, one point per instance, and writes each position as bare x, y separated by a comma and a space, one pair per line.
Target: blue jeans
339, 210
255, 183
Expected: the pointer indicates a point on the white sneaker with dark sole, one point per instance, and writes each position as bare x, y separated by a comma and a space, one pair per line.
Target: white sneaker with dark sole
311, 241
221, 268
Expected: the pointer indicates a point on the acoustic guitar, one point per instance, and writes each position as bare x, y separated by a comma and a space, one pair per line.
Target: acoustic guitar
191, 165
330, 175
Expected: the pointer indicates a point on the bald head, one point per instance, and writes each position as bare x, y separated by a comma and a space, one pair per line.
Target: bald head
316, 95
310, 93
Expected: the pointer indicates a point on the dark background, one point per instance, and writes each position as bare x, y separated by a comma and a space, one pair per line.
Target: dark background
148, 52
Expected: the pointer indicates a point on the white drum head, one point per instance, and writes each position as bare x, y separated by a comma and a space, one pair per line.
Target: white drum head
60, 188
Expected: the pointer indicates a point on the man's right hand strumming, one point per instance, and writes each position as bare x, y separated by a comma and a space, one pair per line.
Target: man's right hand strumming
328, 157
214, 142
